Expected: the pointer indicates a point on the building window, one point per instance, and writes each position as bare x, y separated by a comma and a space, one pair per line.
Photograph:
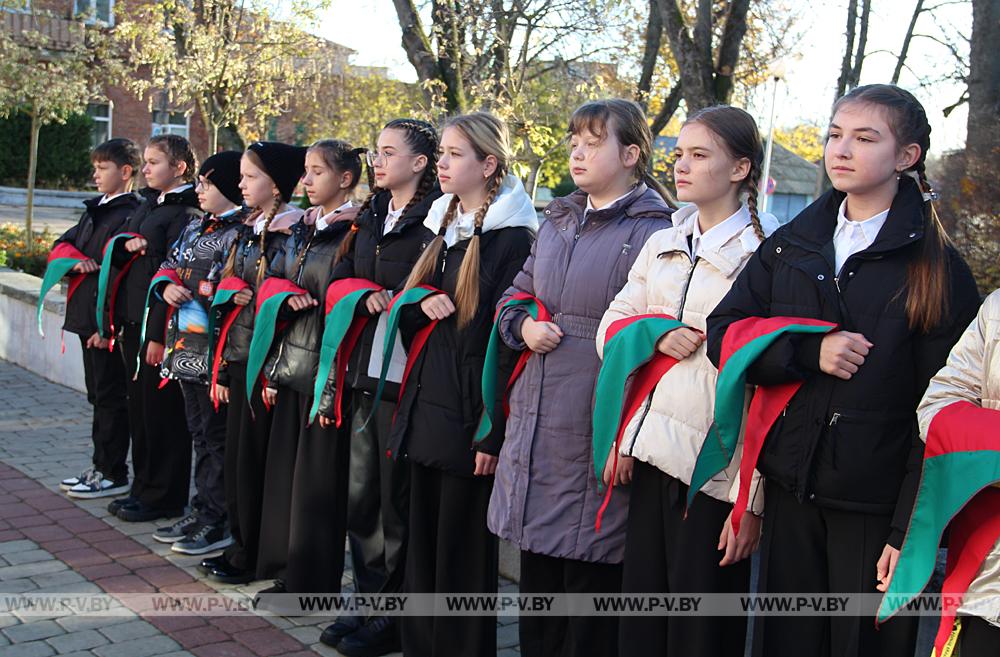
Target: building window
170, 123
100, 113
96, 11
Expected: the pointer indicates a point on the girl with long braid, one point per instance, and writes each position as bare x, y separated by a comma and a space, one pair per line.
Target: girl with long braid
386, 239
683, 272
869, 260
483, 225
269, 173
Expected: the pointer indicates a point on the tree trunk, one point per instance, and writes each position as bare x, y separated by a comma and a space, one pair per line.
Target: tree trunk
695, 74
667, 110
845, 65
650, 54
984, 85
859, 53
213, 137
36, 126
906, 42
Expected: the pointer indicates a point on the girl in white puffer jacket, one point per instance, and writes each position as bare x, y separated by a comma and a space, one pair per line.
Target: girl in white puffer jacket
684, 272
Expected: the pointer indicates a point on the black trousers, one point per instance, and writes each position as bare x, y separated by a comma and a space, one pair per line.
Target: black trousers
811, 549
304, 519
449, 550
247, 436
208, 433
978, 638
559, 636
378, 500
161, 442
104, 374
668, 553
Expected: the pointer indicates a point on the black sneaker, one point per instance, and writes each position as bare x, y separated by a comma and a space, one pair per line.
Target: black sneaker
206, 538
139, 512
115, 505
97, 486
220, 570
178, 530
207, 565
260, 601
378, 636
343, 626
70, 482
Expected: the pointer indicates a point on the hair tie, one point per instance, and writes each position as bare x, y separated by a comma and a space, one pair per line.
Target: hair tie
928, 194
478, 230
442, 230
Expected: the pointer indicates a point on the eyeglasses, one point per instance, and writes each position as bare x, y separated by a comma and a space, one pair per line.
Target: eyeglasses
376, 157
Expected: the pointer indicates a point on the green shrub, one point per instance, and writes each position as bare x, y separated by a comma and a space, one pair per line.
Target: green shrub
63, 152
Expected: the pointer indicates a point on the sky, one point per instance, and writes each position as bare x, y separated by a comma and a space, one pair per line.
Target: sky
370, 27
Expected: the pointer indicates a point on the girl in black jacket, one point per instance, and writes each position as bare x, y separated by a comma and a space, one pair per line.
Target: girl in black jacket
161, 443
194, 267
115, 164
303, 518
484, 226
386, 239
842, 462
269, 173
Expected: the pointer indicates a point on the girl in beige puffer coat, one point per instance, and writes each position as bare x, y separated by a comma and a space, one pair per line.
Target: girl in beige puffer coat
684, 272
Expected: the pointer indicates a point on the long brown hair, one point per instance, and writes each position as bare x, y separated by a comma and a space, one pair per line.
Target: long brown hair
628, 122
488, 135
929, 274
739, 135
423, 139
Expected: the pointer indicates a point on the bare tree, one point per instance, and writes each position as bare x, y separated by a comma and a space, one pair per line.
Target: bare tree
983, 139
854, 50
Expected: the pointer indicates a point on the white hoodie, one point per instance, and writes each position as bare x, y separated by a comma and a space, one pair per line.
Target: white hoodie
511, 208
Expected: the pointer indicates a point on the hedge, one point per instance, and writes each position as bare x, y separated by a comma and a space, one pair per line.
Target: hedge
63, 152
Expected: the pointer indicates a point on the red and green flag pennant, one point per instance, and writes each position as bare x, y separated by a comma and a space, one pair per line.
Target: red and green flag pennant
228, 288
161, 277
399, 302
961, 466
341, 330
272, 294
537, 312
103, 280
63, 257
629, 352
743, 343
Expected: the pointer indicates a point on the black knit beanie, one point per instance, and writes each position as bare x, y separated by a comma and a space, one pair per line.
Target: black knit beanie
223, 170
284, 163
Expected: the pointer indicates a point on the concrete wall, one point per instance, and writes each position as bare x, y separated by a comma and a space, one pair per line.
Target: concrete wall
45, 198
19, 339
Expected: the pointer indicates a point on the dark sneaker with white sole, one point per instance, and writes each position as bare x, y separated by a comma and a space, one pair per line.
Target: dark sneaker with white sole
178, 530
206, 538
97, 486
70, 482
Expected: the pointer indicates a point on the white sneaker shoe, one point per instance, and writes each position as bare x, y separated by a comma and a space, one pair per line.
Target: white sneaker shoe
97, 486
70, 482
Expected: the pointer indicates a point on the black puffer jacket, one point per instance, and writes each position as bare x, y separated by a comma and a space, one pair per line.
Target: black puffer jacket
386, 260
294, 358
847, 444
96, 226
161, 224
443, 400
198, 257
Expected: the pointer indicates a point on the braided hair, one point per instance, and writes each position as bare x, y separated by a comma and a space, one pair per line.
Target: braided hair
488, 135
929, 273
423, 139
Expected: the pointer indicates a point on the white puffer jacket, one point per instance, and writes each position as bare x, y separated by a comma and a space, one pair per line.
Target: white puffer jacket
668, 431
971, 374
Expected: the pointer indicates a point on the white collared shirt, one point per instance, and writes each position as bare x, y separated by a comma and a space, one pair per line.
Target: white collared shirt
258, 226
850, 237
590, 206
107, 199
392, 217
175, 190
720, 233
324, 221
228, 213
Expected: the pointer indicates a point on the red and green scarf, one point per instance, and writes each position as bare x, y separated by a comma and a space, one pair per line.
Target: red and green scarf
272, 294
341, 330
961, 464
228, 288
400, 301
161, 277
743, 343
63, 257
629, 352
105, 275
537, 312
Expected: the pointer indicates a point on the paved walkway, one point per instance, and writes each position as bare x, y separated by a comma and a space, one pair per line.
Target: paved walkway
52, 544
57, 220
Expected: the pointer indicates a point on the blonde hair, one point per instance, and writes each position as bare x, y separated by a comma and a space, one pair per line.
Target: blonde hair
488, 135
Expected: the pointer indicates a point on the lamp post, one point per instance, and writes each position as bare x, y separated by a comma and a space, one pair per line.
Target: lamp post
777, 73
